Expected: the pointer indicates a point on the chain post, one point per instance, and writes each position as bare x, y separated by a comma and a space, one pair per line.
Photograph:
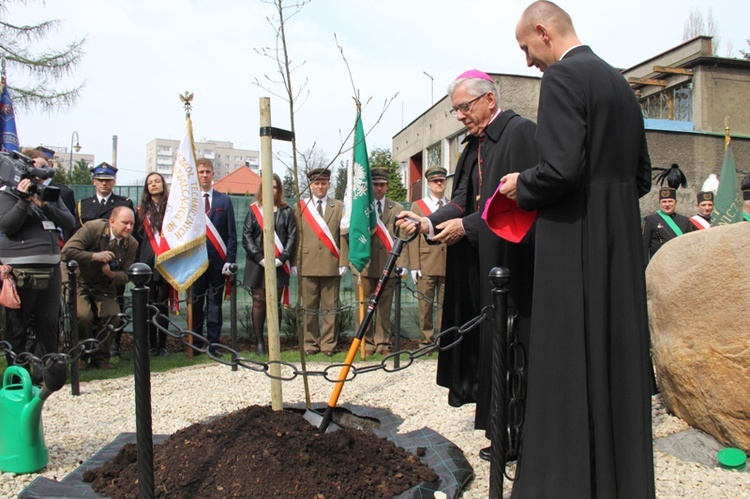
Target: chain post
75, 379
140, 274
233, 308
499, 277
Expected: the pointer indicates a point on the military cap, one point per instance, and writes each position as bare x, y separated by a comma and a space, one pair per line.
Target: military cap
319, 174
104, 171
667, 193
46, 151
705, 196
379, 175
436, 172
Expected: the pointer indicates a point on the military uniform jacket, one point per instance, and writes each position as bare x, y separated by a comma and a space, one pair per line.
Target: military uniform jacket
314, 258
92, 238
378, 252
91, 209
655, 232
427, 258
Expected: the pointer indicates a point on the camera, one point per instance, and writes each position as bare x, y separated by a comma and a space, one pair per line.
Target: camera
15, 167
115, 265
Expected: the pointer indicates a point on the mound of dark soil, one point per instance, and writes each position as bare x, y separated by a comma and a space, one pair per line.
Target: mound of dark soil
258, 452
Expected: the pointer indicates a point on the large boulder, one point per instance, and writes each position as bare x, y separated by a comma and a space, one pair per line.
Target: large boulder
699, 312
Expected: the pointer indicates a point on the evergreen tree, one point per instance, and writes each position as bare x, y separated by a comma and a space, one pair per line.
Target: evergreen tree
341, 180
24, 51
81, 175
380, 157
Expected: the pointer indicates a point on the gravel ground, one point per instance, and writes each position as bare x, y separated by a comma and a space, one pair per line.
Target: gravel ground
77, 427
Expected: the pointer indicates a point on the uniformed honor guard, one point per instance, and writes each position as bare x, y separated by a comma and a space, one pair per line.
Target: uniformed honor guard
378, 334
664, 225
705, 205
320, 263
427, 261
101, 204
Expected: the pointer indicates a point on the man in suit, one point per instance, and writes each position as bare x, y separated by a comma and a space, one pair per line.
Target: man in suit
320, 263
100, 207
95, 247
378, 334
664, 225
587, 428
427, 261
222, 252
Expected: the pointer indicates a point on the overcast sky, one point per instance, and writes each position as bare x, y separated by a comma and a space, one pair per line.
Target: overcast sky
141, 55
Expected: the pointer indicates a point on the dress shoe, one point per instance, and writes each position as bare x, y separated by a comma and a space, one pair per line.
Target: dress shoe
384, 351
104, 365
115, 350
154, 352
485, 453
164, 352
369, 351
311, 352
260, 349
328, 354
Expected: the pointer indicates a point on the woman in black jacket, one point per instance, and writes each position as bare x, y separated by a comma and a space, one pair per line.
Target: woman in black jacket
252, 240
30, 243
148, 233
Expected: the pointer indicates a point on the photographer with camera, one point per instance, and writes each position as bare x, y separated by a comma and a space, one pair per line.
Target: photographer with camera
104, 250
29, 217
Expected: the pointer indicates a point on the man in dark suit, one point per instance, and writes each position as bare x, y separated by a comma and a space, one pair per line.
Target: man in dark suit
221, 243
499, 141
587, 431
43, 158
664, 225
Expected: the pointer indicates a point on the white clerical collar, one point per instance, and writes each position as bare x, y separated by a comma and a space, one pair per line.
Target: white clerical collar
571, 48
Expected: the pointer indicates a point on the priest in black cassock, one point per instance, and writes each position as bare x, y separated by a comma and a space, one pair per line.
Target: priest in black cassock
500, 142
587, 431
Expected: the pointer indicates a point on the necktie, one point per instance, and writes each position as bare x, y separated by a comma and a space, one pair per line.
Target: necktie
206, 205
380, 210
103, 201
320, 207
440, 203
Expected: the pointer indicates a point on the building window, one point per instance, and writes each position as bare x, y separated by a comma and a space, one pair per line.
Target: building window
675, 104
456, 147
434, 156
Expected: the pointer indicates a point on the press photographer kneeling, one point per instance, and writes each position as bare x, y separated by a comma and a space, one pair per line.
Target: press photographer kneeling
30, 219
104, 250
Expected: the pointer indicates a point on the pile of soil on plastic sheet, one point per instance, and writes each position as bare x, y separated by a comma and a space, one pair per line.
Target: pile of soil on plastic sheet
258, 452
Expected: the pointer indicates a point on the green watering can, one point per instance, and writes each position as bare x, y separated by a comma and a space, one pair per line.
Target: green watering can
22, 448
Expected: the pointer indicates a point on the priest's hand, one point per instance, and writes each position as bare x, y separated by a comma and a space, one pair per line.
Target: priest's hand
508, 185
451, 231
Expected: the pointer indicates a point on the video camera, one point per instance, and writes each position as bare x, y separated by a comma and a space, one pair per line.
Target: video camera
15, 167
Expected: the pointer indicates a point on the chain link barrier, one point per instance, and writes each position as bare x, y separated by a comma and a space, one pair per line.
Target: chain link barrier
516, 353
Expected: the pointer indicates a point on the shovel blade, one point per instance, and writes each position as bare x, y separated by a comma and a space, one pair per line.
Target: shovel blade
316, 419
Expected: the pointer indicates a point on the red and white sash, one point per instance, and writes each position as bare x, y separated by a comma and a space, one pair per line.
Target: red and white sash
427, 210
218, 243
319, 226
384, 235
278, 247
699, 222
